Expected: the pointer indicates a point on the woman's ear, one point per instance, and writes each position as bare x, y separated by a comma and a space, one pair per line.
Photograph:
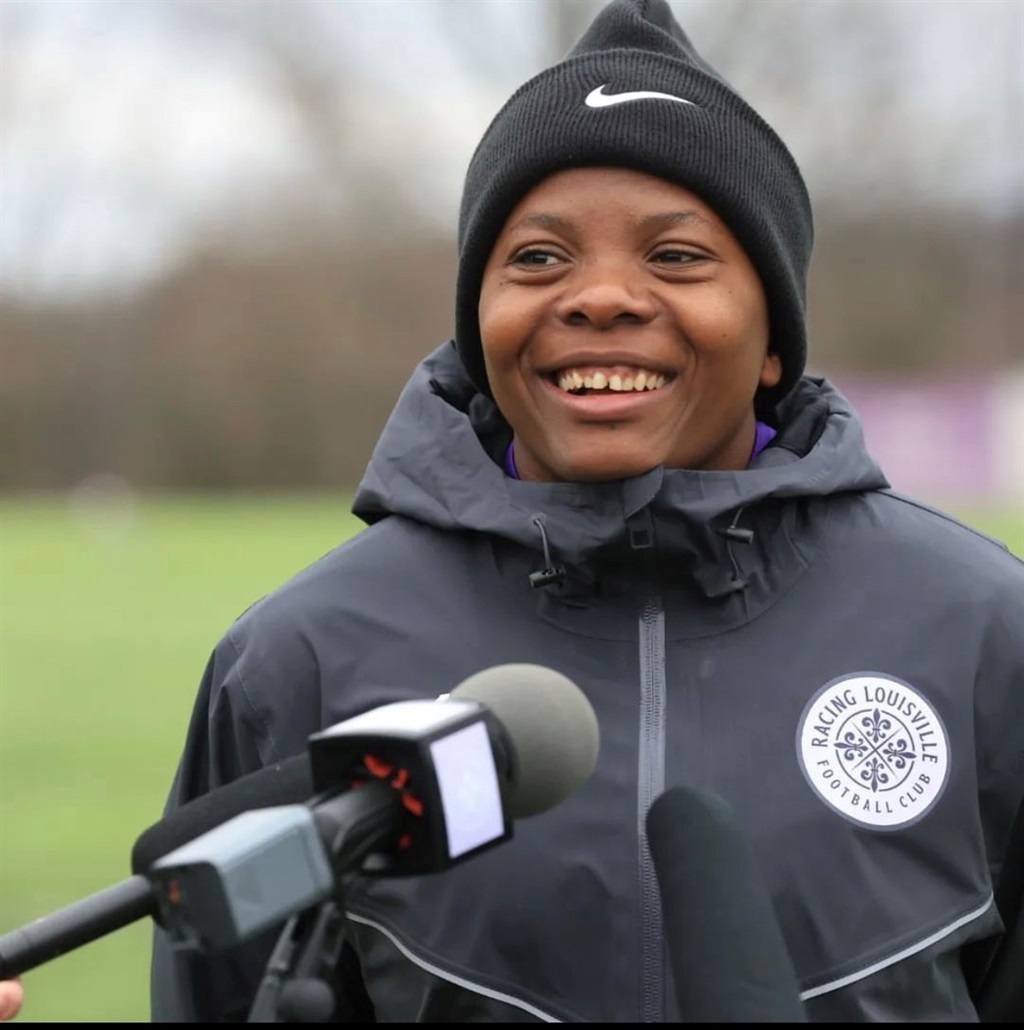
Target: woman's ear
771, 370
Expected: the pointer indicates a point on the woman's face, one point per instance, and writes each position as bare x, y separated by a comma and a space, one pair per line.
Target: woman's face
623, 327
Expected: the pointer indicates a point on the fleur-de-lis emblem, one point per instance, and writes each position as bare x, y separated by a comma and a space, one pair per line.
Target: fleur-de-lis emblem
852, 746
875, 773
875, 726
898, 752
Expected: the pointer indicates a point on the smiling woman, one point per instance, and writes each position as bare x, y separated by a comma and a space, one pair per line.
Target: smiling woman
618, 467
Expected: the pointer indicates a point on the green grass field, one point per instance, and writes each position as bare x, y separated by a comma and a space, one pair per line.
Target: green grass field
106, 622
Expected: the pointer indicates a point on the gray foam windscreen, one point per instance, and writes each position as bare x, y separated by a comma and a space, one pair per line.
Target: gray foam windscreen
551, 724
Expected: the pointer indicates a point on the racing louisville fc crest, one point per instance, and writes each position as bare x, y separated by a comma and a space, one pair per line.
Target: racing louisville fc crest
874, 749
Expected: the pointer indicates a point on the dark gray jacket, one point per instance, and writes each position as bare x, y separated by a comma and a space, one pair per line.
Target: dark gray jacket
844, 665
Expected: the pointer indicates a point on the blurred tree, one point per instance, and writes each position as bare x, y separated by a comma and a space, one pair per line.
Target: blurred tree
874, 97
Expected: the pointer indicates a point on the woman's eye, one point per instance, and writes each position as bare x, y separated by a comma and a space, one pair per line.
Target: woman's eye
534, 258
675, 256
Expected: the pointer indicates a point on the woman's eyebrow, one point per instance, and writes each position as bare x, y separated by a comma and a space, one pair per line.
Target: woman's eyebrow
658, 220
542, 220
668, 219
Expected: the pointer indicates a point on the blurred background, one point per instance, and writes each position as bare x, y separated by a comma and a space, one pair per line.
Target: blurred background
226, 238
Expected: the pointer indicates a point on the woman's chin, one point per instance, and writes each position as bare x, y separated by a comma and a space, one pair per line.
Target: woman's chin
606, 469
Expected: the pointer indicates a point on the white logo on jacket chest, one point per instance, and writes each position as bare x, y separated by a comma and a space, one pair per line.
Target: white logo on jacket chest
874, 749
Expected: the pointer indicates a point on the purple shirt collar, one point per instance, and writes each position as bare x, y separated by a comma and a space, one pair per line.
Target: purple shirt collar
510, 463
763, 435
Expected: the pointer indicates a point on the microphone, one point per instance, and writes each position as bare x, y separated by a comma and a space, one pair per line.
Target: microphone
409, 787
728, 958
545, 714
288, 782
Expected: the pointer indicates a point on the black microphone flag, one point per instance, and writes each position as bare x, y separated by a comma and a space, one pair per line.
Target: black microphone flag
728, 958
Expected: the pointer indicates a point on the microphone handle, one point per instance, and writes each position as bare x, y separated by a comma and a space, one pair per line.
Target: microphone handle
77, 924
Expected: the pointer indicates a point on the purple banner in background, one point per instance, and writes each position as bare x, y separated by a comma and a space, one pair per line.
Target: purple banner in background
960, 440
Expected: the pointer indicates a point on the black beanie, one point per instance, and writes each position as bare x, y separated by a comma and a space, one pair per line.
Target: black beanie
715, 145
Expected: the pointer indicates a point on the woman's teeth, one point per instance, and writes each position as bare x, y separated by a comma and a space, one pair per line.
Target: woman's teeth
572, 381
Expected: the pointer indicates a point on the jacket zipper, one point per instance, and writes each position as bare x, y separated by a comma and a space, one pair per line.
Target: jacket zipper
650, 779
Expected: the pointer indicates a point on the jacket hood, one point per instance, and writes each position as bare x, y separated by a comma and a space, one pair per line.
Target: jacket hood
438, 461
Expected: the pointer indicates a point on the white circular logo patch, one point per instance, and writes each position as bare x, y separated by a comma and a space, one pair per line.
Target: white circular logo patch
873, 749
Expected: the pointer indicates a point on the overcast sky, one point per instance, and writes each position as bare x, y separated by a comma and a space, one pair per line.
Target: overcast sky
123, 122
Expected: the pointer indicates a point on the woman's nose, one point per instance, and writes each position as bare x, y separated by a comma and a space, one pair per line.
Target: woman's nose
604, 294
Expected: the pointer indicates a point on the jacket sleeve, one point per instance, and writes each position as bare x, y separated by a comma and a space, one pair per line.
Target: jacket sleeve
995, 969
220, 745
237, 727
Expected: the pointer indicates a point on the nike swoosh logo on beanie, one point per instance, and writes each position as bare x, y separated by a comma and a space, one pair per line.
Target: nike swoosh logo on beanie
598, 97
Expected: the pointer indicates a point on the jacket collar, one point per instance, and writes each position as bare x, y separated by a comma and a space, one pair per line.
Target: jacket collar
439, 461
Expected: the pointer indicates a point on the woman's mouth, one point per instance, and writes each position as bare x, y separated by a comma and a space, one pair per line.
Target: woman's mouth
586, 379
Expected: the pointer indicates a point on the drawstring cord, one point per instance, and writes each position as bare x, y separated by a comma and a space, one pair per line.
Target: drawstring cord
553, 573
733, 533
